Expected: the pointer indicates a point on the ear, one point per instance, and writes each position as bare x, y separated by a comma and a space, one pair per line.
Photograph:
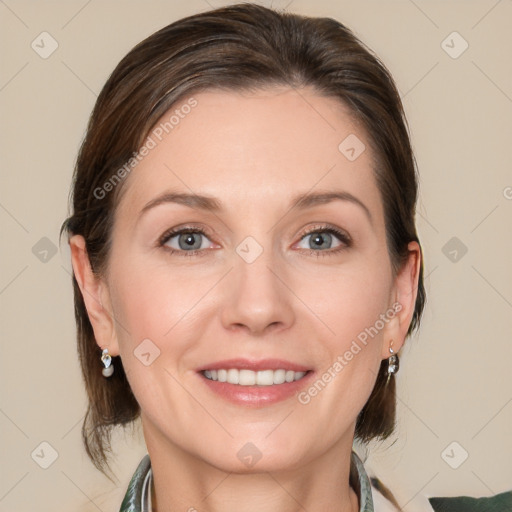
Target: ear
96, 296
403, 301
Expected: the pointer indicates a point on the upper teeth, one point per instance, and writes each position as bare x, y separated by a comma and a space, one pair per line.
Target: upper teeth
250, 378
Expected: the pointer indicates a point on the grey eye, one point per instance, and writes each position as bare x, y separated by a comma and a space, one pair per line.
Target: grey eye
189, 241
319, 240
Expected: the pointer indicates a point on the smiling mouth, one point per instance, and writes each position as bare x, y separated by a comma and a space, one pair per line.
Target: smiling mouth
244, 377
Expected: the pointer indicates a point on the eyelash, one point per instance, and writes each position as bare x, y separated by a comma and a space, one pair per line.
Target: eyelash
344, 238
181, 231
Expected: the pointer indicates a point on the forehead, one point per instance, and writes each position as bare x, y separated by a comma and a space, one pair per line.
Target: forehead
247, 148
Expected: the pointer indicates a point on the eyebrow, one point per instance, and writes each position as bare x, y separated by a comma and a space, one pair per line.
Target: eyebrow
209, 203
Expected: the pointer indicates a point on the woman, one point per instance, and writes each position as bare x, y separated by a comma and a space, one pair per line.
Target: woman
246, 263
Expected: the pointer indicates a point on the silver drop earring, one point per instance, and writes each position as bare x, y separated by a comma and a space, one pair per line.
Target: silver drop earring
393, 363
107, 362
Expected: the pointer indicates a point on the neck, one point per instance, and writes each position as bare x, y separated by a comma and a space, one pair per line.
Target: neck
184, 482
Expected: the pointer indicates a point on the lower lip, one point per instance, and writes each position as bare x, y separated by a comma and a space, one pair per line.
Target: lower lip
255, 396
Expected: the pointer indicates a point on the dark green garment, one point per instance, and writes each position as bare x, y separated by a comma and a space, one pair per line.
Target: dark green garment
499, 503
138, 495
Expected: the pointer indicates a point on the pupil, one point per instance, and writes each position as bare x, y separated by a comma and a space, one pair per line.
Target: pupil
319, 239
187, 241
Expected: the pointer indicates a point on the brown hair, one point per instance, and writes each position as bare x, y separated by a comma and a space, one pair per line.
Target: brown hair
241, 47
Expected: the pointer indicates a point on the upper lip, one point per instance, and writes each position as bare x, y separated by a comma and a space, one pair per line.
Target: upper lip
254, 365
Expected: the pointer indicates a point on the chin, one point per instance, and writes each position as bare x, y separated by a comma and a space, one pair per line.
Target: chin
252, 458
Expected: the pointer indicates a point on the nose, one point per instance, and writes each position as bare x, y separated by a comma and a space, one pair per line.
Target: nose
257, 299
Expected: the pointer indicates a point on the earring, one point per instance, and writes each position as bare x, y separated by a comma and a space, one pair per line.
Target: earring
107, 361
393, 363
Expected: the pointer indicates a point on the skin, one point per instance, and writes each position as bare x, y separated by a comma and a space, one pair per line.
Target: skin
253, 152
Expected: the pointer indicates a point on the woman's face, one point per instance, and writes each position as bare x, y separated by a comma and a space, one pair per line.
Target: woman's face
283, 265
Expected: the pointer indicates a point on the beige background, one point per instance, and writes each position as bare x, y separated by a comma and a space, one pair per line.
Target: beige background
454, 382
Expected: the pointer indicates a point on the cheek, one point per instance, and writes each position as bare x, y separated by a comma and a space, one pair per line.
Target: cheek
350, 299
350, 306
171, 311
155, 329
162, 305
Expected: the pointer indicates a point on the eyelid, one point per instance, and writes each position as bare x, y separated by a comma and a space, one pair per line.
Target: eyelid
325, 227
339, 233
185, 228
